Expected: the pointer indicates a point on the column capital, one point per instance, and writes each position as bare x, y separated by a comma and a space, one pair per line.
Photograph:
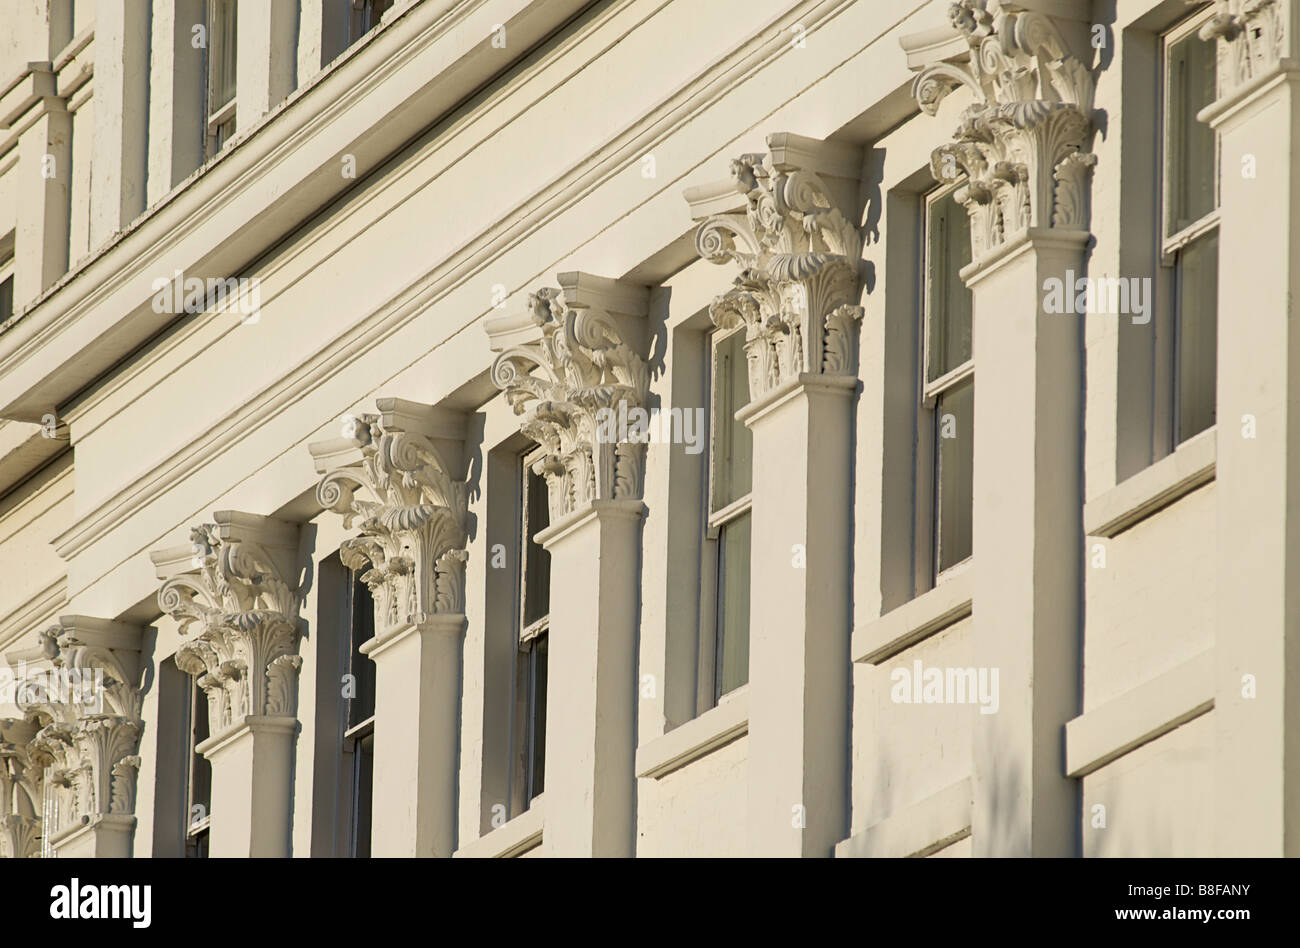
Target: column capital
1254, 39
238, 580
410, 458
571, 363
781, 219
1022, 146
21, 783
81, 692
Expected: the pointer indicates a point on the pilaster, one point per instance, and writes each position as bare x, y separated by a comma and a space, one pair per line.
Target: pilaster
1021, 155
409, 463
238, 583
580, 350
786, 220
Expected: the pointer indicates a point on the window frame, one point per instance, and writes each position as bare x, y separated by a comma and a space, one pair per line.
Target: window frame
196, 836
526, 783
929, 528
1172, 243
219, 124
355, 733
716, 521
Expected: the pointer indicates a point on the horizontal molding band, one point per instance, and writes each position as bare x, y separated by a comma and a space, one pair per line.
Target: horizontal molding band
931, 612
1098, 737
934, 823
1131, 501
513, 838
713, 729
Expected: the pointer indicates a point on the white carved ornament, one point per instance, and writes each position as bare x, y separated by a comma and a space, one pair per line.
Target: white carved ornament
798, 259
1021, 145
1252, 36
21, 783
561, 385
245, 654
87, 751
412, 536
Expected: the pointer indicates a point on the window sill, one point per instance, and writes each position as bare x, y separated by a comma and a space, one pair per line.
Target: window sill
514, 838
947, 603
1191, 465
1139, 716
688, 742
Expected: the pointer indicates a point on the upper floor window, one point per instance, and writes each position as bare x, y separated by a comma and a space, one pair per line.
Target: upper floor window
945, 443
725, 646
220, 67
1189, 234
364, 16
533, 588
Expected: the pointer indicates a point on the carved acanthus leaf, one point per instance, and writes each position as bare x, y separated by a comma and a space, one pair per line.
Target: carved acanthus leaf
411, 511
245, 601
562, 385
796, 291
1022, 146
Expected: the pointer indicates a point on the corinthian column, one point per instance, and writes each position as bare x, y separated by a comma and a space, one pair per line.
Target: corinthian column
1020, 153
579, 351
785, 220
1257, 635
237, 583
80, 688
399, 475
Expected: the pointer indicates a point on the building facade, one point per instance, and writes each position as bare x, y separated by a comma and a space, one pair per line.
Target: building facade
548, 428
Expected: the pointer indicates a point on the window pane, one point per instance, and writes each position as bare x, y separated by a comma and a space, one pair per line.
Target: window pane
6, 298
733, 604
1197, 275
363, 762
222, 49
537, 716
733, 445
201, 768
537, 561
362, 705
948, 300
1190, 145
955, 421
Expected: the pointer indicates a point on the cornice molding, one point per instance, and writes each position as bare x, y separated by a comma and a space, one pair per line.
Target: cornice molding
238, 580
81, 687
410, 458
1022, 147
575, 354
782, 223
674, 113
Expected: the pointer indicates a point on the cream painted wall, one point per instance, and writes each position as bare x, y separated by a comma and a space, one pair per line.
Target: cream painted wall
382, 289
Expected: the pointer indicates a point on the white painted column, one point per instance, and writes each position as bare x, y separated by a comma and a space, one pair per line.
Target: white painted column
410, 458
1027, 545
788, 218
235, 591
1021, 164
577, 352
1257, 482
252, 787
266, 68
117, 190
800, 616
591, 680
417, 737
